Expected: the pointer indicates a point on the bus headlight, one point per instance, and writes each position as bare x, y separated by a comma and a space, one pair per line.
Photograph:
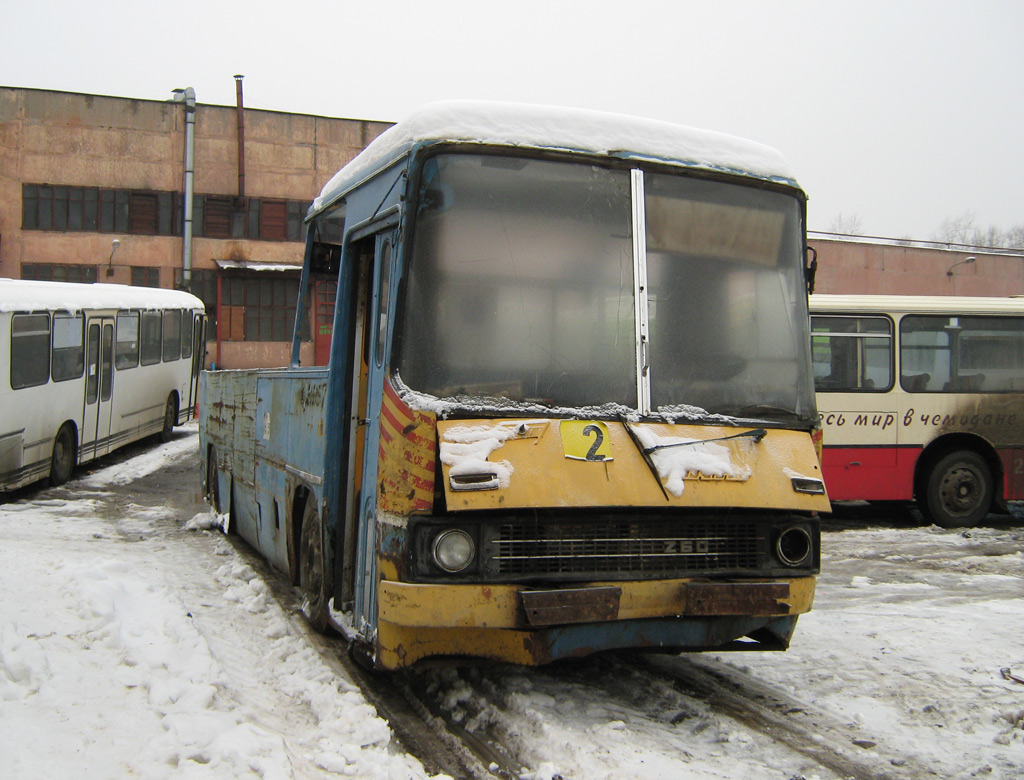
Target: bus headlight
453, 550
794, 546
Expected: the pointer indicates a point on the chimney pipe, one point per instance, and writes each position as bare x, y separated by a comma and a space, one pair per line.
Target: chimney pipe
241, 135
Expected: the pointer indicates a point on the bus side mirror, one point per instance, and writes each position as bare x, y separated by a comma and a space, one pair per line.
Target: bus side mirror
811, 269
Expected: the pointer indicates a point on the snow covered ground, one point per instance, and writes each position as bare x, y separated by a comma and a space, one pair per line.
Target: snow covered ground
133, 643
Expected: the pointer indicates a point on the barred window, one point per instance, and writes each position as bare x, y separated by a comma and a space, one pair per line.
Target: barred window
258, 308
143, 276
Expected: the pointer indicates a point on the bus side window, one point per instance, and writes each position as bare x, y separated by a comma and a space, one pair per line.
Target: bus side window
172, 335
30, 350
851, 353
126, 341
68, 347
186, 334
152, 332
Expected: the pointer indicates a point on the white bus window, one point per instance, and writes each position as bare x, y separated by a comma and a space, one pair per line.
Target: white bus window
172, 335
851, 353
186, 334
126, 343
68, 347
30, 350
152, 338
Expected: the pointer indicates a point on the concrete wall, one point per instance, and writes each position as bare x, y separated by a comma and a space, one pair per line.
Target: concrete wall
895, 269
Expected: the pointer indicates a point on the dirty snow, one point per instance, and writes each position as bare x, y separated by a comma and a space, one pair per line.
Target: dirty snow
130, 646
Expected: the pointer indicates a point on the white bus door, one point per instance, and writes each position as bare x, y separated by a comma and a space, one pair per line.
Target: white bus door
99, 386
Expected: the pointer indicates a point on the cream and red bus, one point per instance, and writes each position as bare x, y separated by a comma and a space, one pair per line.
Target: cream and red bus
921, 399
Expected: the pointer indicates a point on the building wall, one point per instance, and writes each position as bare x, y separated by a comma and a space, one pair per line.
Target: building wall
73, 139
79, 140
895, 269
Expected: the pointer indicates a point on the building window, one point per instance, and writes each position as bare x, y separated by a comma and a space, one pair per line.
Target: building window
58, 272
258, 308
145, 276
203, 285
159, 213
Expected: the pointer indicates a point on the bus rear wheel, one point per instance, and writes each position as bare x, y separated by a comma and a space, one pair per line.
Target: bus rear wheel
959, 490
312, 571
62, 462
170, 418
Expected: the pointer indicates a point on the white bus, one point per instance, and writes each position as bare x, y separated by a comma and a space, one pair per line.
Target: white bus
87, 368
921, 398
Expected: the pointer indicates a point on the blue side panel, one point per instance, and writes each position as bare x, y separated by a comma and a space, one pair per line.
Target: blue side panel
290, 444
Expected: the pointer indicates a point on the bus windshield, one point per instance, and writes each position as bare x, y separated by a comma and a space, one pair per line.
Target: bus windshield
523, 286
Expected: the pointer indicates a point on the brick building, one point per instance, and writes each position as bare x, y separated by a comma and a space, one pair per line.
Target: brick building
93, 188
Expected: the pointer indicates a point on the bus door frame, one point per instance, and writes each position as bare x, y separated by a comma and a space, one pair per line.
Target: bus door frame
371, 336
96, 419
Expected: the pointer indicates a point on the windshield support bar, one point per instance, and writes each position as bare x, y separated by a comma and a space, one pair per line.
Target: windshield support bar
642, 324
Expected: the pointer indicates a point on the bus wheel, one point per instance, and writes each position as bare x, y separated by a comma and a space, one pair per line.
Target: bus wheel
213, 481
959, 490
312, 572
170, 418
62, 462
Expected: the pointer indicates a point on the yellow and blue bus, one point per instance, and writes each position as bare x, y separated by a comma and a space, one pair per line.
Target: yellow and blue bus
567, 404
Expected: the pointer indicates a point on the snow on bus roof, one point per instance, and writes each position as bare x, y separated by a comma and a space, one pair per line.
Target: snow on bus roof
27, 295
568, 129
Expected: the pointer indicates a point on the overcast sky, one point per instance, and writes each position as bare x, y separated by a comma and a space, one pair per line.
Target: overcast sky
899, 113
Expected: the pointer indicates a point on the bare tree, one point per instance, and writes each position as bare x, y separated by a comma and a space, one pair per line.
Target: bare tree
847, 225
957, 230
1015, 237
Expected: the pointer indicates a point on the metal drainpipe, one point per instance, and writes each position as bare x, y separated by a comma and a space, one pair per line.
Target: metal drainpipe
188, 97
241, 136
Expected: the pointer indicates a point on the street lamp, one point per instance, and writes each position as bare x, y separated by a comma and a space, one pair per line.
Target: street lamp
971, 259
113, 248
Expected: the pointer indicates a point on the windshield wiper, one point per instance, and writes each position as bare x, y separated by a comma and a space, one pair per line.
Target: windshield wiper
757, 434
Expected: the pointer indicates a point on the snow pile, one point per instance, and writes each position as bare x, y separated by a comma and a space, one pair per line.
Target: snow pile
146, 463
467, 448
566, 129
677, 457
130, 646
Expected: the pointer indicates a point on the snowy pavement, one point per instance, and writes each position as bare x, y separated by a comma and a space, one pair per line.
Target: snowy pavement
132, 646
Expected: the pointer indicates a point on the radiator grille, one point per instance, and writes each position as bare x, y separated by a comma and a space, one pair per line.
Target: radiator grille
625, 547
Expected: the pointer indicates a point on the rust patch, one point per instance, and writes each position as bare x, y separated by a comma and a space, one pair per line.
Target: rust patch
571, 605
737, 598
